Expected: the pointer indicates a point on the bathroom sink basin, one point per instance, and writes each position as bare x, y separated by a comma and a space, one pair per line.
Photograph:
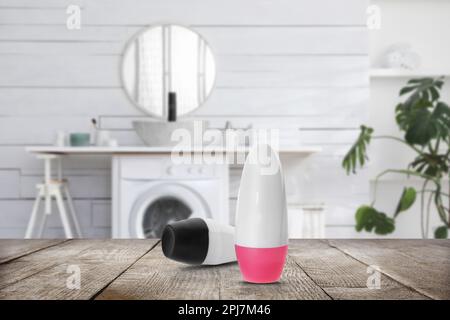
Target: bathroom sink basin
163, 134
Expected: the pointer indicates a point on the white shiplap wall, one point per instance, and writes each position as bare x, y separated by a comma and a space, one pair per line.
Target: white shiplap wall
297, 65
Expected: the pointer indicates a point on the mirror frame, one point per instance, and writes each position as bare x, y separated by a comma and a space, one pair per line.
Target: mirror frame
130, 41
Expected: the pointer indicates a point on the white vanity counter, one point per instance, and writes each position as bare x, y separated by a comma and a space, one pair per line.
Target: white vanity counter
93, 150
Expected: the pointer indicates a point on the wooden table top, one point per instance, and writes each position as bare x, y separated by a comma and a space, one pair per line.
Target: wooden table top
137, 269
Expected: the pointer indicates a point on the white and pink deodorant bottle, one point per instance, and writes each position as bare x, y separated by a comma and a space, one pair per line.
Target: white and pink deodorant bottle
198, 241
261, 239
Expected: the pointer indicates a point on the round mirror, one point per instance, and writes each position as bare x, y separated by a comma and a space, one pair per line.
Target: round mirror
168, 64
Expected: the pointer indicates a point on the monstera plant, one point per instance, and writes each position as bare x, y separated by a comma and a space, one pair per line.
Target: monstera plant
424, 122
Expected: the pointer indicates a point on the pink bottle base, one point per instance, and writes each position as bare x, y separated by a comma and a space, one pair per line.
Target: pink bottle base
261, 265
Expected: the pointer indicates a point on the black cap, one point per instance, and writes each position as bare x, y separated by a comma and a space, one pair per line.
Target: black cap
186, 241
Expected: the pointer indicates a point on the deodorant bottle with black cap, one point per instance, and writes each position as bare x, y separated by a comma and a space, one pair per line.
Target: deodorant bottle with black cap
199, 241
261, 217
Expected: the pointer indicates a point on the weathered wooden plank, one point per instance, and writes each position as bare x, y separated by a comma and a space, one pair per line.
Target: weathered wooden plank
294, 284
341, 276
44, 274
386, 293
156, 277
419, 264
11, 249
126, 269
28, 265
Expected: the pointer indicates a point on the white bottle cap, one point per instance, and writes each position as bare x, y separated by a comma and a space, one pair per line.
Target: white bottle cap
261, 215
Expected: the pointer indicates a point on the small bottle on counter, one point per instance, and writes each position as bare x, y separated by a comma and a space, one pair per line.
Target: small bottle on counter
172, 112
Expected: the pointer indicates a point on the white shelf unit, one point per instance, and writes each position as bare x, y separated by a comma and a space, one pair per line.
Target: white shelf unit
401, 73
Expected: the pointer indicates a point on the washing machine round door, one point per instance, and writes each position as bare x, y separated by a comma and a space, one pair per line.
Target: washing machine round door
162, 204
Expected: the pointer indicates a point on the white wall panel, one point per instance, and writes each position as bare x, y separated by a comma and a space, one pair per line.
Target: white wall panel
233, 71
290, 40
59, 71
60, 35
9, 184
285, 102
211, 12
15, 213
39, 130
243, 102
68, 102
101, 214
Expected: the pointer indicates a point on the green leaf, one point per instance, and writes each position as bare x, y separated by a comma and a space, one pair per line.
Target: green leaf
357, 152
384, 225
423, 93
434, 165
363, 217
425, 125
405, 90
405, 113
441, 115
406, 200
422, 128
421, 80
434, 93
369, 219
441, 232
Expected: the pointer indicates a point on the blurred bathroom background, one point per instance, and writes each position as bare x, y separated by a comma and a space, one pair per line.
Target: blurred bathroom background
314, 70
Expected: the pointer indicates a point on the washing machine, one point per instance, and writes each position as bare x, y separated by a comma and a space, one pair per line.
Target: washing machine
150, 191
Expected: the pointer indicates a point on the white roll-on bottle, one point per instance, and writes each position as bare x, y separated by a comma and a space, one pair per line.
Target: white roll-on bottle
261, 217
